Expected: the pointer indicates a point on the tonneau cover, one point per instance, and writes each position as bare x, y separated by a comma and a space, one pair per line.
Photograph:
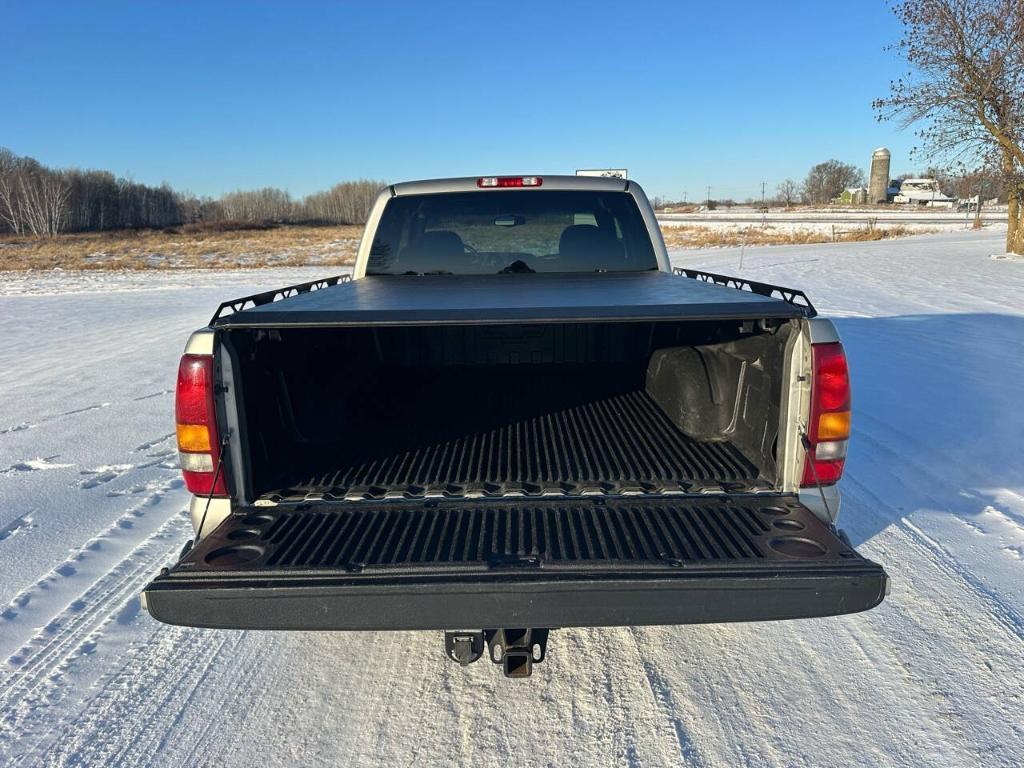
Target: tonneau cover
513, 298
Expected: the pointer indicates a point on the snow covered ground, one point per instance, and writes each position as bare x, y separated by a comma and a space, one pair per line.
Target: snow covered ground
834, 221
91, 505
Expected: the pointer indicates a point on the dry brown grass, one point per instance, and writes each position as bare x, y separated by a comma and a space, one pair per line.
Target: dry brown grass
708, 237
225, 247
178, 249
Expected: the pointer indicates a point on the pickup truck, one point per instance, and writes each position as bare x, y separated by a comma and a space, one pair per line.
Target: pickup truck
513, 416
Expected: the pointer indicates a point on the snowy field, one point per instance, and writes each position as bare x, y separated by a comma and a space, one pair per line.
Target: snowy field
835, 220
91, 505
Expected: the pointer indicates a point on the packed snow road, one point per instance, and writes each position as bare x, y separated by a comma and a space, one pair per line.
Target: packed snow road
91, 505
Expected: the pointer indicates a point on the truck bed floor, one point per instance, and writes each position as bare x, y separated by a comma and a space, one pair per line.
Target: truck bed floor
618, 441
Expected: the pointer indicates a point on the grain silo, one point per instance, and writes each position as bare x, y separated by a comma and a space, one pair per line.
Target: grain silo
878, 186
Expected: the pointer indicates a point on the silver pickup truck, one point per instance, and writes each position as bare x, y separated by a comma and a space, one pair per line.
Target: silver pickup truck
514, 416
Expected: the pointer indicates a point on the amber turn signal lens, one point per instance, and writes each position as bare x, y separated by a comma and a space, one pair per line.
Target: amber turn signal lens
193, 438
834, 426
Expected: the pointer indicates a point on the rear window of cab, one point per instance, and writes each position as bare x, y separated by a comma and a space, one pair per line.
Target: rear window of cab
511, 231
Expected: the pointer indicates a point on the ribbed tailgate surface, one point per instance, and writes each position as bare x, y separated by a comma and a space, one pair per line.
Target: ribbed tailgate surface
389, 536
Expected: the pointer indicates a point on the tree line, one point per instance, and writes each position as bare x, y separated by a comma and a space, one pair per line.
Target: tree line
41, 201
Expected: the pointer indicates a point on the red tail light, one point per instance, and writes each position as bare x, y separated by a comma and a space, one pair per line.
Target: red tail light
198, 442
828, 429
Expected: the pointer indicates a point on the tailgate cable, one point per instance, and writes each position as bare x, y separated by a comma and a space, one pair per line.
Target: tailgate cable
213, 486
814, 471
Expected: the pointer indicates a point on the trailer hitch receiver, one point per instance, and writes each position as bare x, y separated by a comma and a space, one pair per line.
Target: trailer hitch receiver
517, 650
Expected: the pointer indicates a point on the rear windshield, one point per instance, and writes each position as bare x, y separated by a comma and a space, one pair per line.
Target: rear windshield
509, 231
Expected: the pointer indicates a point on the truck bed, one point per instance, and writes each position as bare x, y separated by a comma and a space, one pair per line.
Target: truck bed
454, 299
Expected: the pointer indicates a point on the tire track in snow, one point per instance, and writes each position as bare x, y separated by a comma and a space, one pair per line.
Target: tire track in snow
34, 682
615, 715
154, 442
128, 721
243, 670
20, 524
1005, 614
25, 425
102, 475
661, 691
927, 475
35, 465
152, 395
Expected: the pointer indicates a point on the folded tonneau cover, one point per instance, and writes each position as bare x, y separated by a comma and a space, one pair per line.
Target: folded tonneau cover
513, 298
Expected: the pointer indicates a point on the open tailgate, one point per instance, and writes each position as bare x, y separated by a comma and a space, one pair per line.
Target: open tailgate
532, 562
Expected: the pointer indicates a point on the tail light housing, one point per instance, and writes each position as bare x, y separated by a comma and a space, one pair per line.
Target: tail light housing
195, 414
828, 429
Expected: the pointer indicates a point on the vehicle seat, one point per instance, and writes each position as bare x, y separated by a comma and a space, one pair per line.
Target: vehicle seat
432, 250
586, 247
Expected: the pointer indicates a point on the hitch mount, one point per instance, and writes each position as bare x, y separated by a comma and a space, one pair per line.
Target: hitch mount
516, 650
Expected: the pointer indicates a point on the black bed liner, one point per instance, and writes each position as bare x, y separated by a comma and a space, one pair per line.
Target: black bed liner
453, 299
525, 562
610, 445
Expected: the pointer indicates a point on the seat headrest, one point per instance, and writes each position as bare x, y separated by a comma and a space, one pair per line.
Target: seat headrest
588, 247
437, 244
581, 237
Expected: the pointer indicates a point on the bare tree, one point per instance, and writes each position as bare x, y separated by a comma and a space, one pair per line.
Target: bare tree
259, 205
43, 196
827, 180
10, 203
966, 87
345, 203
788, 192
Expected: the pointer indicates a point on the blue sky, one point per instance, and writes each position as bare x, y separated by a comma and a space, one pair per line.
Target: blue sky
213, 97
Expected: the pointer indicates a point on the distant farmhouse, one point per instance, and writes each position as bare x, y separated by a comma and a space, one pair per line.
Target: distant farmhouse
921, 192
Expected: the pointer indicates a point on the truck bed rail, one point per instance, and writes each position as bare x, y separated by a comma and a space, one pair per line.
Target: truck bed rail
789, 295
268, 297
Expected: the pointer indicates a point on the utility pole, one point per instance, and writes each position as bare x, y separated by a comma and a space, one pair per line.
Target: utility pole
709, 197
763, 185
